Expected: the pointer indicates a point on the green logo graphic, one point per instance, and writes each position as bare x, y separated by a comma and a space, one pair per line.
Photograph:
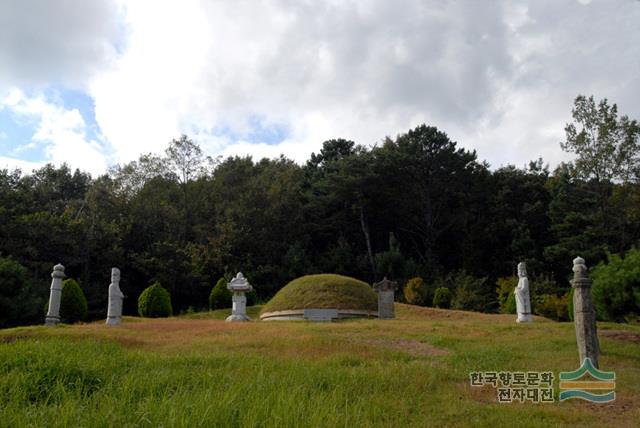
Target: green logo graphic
571, 387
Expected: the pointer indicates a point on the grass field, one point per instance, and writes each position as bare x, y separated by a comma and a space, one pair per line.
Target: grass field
197, 370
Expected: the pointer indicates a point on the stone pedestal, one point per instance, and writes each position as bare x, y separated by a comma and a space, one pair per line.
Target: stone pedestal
386, 297
114, 308
238, 286
53, 313
584, 314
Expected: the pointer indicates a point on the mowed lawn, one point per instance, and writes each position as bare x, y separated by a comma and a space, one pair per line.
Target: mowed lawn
198, 370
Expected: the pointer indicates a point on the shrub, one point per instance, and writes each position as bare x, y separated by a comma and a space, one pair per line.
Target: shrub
415, 292
73, 303
616, 287
509, 306
553, 307
570, 304
220, 296
472, 294
13, 287
442, 298
155, 302
506, 299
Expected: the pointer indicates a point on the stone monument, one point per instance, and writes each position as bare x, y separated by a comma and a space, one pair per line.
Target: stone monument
114, 309
53, 313
386, 290
523, 301
584, 314
238, 286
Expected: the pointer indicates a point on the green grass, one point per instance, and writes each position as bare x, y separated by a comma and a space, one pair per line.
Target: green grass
197, 370
324, 291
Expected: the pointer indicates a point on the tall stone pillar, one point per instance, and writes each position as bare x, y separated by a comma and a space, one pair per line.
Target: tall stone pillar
386, 290
238, 286
584, 314
53, 314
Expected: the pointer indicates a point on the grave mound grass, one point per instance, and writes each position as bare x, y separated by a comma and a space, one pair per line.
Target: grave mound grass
324, 291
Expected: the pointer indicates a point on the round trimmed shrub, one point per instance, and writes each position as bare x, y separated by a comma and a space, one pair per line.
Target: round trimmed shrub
155, 302
442, 298
220, 297
415, 291
73, 303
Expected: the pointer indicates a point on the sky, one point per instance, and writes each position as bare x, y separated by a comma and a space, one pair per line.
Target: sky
101, 82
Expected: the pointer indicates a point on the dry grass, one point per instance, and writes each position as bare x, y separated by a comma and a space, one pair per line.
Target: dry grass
416, 366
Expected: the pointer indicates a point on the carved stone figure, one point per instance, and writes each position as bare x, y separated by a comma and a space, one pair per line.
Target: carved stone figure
238, 286
386, 290
53, 313
523, 301
114, 309
584, 314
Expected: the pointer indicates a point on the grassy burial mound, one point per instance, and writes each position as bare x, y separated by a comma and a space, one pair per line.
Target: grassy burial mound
349, 296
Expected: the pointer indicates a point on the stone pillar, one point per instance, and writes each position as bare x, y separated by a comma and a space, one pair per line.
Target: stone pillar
386, 290
53, 313
114, 308
238, 286
584, 314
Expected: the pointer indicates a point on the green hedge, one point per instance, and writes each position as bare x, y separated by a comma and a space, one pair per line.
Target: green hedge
73, 303
220, 297
155, 302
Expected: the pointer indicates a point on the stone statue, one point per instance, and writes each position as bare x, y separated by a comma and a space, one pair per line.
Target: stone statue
238, 286
386, 290
114, 309
584, 314
53, 313
523, 302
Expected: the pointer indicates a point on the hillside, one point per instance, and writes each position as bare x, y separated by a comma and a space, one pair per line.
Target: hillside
197, 370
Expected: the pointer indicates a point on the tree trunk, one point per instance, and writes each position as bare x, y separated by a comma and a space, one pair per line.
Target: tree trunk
367, 238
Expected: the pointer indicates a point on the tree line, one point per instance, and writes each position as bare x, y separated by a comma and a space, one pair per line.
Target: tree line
416, 205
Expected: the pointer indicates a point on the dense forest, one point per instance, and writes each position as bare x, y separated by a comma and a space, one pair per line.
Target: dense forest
416, 205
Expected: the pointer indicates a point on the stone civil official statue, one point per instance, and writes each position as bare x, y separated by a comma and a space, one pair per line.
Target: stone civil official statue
114, 310
523, 302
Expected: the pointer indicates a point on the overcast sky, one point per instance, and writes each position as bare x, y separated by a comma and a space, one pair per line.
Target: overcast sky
94, 83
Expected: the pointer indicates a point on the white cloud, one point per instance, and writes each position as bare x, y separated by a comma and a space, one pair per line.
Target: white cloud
62, 132
498, 77
13, 163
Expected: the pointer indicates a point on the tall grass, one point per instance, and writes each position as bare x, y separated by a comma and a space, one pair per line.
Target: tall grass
81, 376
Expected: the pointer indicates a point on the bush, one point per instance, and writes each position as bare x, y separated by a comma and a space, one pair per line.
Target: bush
616, 287
442, 298
570, 304
553, 307
415, 292
506, 298
155, 302
73, 303
509, 306
220, 296
13, 289
472, 294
